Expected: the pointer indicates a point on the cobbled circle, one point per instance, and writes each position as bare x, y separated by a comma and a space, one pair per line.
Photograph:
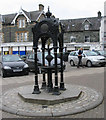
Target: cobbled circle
11, 102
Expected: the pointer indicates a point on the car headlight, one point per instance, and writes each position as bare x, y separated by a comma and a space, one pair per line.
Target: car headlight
26, 66
7, 67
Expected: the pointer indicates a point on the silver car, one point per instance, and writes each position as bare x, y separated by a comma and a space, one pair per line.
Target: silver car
89, 58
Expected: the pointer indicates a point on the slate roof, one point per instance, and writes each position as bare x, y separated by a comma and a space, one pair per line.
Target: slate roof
71, 25
78, 24
33, 15
7, 19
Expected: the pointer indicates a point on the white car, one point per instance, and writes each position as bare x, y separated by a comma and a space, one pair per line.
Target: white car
89, 58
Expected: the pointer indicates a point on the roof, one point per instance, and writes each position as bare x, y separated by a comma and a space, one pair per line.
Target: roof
33, 16
8, 18
78, 24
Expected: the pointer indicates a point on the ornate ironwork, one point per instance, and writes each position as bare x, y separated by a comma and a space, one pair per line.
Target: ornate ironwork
50, 27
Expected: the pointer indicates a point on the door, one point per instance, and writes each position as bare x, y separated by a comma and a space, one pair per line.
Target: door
75, 58
84, 59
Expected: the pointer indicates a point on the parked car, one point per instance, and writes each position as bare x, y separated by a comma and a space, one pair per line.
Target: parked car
101, 52
89, 58
30, 61
23, 57
65, 56
13, 64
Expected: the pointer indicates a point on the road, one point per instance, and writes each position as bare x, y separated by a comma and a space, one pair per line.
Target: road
89, 77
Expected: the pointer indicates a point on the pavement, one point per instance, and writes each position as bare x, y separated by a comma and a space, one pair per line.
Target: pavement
95, 95
88, 99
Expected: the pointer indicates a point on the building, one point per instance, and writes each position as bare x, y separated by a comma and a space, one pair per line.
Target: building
82, 32
16, 31
0, 31
16, 34
102, 33
103, 29
105, 25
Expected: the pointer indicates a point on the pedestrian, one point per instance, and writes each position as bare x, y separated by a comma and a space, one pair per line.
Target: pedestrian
80, 52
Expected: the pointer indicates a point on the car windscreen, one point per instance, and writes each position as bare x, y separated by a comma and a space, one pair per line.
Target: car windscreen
90, 53
102, 52
11, 58
39, 55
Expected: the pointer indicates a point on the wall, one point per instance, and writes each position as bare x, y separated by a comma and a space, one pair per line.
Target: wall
10, 32
94, 36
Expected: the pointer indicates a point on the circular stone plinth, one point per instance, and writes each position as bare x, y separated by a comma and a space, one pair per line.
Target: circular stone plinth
88, 99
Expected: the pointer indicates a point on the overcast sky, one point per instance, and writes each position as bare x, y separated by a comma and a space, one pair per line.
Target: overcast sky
62, 9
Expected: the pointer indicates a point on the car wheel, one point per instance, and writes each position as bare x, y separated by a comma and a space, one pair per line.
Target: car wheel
3, 74
72, 63
27, 73
89, 64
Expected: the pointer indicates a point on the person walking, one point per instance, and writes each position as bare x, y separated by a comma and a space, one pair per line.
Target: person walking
80, 52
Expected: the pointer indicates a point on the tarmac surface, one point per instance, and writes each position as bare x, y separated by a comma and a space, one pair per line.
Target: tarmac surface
92, 78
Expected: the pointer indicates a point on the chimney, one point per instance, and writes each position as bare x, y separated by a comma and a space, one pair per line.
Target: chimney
99, 14
41, 7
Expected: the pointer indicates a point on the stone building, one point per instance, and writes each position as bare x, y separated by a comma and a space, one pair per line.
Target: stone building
0, 31
17, 30
82, 32
103, 29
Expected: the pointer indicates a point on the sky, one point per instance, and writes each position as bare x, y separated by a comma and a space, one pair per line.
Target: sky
62, 9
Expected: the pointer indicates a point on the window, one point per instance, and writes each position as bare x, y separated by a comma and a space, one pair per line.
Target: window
0, 26
72, 39
104, 34
17, 37
31, 56
87, 38
72, 53
76, 54
86, 27
25, 37
21, 23
68, 28
22, 37
1, 37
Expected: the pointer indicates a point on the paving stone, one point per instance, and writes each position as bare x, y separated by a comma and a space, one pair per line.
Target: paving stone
14, 104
